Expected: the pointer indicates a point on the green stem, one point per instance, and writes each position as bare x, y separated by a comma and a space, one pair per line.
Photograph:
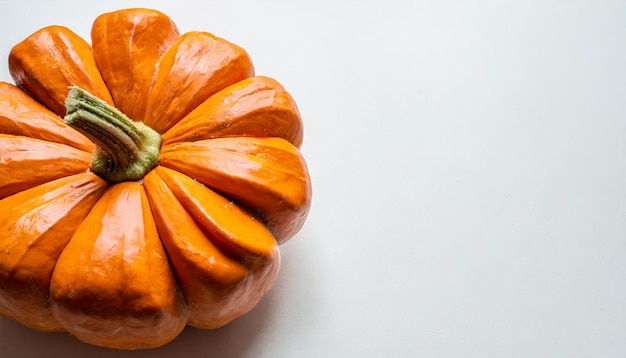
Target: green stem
125, 150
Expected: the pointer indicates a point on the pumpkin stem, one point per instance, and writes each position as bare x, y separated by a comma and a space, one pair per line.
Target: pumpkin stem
125, 150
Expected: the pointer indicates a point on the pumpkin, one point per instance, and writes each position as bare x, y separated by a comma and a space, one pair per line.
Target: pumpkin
146, 181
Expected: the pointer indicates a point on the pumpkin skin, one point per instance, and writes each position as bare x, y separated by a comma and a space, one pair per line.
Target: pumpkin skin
129, 264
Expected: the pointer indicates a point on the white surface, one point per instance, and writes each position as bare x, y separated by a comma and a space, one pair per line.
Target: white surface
469, 170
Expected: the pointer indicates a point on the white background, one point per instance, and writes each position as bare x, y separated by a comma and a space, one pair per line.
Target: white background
468, 161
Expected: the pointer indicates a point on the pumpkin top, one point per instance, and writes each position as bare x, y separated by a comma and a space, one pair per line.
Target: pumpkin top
146, 180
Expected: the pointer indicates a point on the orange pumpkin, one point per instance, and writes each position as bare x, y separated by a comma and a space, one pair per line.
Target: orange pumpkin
151, 195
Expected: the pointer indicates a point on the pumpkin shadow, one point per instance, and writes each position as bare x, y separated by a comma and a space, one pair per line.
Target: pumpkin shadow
233, 340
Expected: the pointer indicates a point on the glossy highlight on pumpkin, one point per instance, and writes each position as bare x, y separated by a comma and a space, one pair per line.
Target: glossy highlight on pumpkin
129, 264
